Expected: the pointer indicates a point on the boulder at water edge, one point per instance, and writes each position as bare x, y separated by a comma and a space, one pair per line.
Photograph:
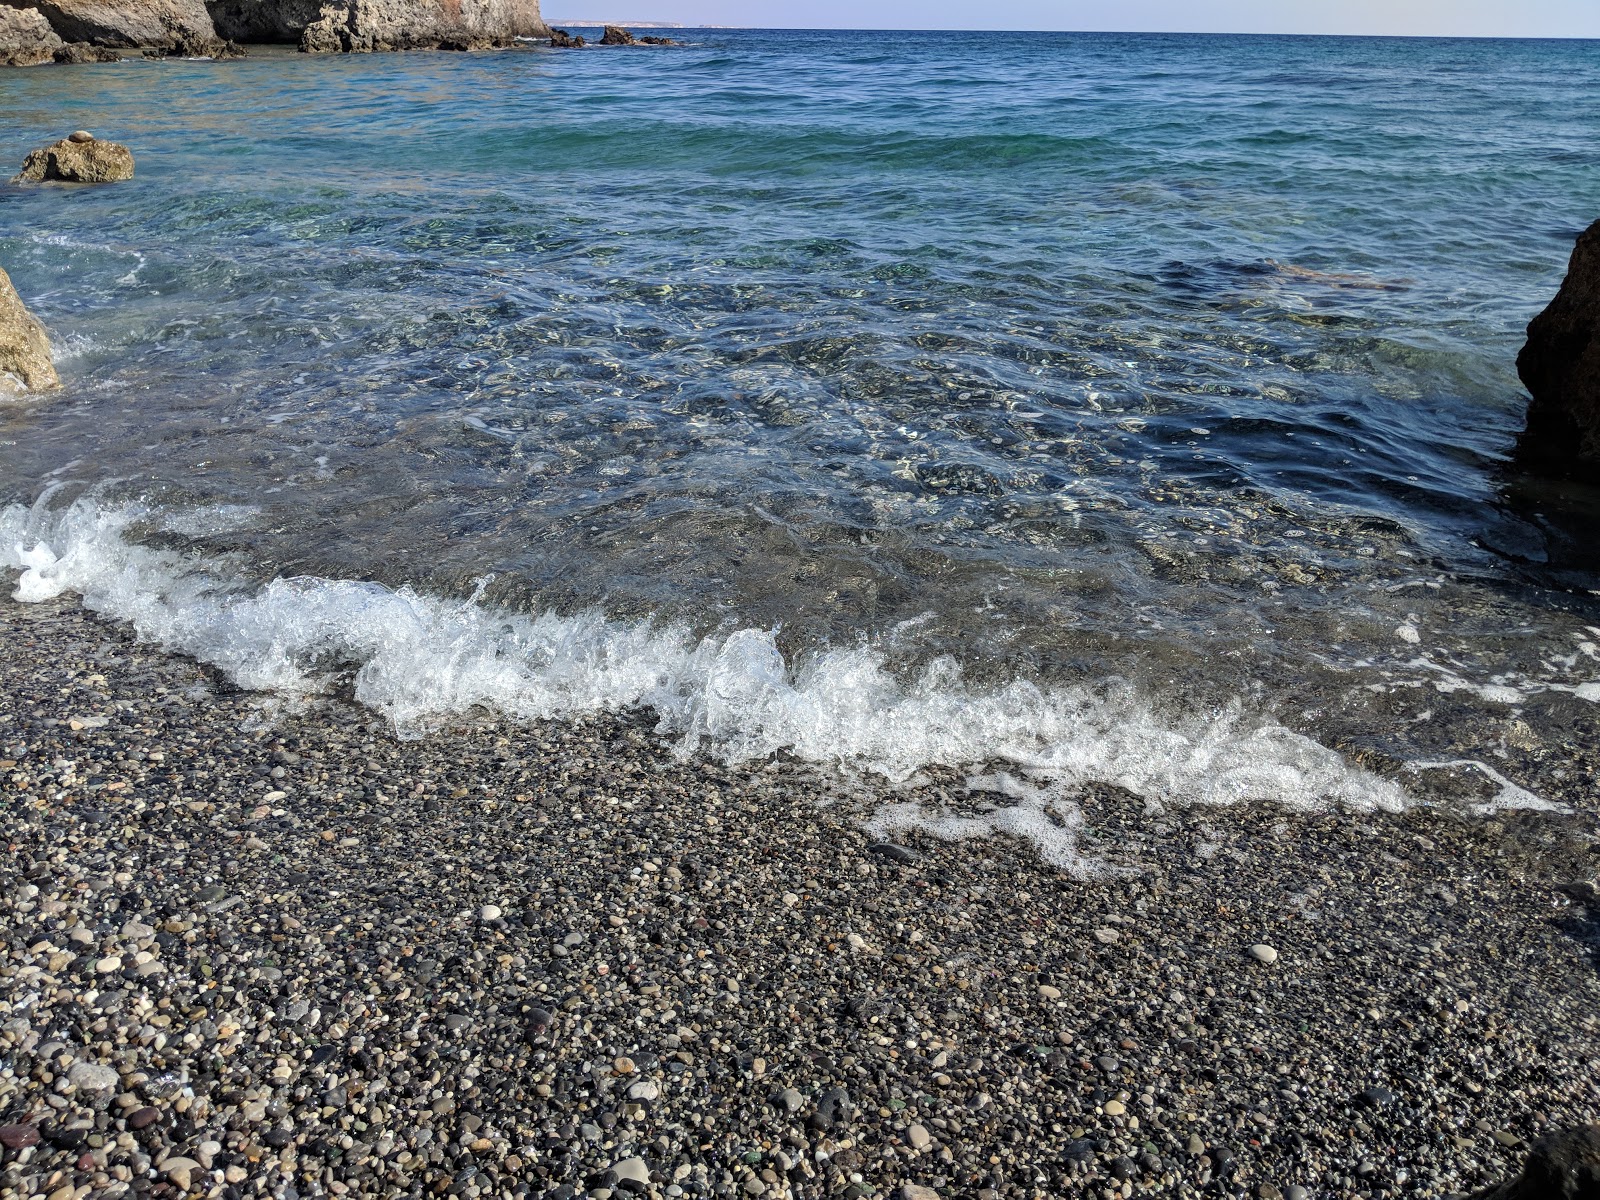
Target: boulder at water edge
81, 158
26, 39
1560, 366
24, 349
1562, 1166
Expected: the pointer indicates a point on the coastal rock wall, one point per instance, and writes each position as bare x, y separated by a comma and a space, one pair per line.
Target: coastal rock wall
26, 39
124, 23
1560, 366
356, 26
33, 31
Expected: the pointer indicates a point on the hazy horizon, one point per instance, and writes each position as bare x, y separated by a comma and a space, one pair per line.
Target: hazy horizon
1567, 19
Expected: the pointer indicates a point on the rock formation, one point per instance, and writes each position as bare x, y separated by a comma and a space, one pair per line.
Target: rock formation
24, 348
26, 39
83, 52
616, 35
560, 39
80, 158
1562, 1166
357, 26
33, 31
1560, 366
125, 24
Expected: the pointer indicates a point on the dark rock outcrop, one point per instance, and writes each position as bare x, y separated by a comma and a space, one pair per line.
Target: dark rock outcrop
1562, 1166
24, 349
616, 35
560, 39
26, 39
194, 46
81, 158
82, 52
125, 24
1560, 366
263, 20
359, 26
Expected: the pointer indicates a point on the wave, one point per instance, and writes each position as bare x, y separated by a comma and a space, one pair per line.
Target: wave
423, 660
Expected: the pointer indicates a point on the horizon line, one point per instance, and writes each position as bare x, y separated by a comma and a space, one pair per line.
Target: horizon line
597, 22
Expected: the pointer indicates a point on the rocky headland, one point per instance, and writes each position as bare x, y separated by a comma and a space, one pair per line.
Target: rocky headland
34, 32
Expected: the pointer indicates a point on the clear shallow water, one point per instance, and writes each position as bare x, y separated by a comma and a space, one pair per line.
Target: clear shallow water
1176, 368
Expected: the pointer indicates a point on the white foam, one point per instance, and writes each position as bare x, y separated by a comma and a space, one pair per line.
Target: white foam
421, 660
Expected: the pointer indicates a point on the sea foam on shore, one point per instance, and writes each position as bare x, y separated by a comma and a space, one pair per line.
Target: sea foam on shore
421, 660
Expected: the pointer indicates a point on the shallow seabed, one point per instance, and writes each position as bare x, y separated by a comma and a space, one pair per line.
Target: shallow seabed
1085, 410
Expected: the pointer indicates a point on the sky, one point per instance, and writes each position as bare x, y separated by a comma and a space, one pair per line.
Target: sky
1435, 18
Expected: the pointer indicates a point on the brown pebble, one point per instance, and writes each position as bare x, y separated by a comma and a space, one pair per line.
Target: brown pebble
19, 1137
80, 136
143, 1117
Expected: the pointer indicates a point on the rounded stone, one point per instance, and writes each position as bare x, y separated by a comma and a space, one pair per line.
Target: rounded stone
1114, 1108
80, 136
490, 912
1263, 953
92, 1077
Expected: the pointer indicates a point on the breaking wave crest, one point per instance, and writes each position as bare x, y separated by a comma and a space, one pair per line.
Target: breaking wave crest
421, 660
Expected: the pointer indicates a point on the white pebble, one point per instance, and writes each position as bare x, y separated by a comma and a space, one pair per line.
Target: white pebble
1262, 952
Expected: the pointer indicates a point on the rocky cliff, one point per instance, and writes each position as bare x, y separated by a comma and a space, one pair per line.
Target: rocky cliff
37, 28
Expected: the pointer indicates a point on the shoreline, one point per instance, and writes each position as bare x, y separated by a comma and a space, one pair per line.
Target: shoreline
255, 948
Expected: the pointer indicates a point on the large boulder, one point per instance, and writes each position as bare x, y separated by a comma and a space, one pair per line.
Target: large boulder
124, 23
358, 26
26, 39
1560, 366
1562, 1166
79, 158
616, 35
24, 349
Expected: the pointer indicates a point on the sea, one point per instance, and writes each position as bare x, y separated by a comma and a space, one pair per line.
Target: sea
1045, 411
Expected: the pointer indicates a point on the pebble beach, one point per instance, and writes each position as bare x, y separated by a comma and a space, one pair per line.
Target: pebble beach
258, 949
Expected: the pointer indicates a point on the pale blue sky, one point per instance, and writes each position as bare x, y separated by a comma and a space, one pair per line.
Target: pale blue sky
1458, 18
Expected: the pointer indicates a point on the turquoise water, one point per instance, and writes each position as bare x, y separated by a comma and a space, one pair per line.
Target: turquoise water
1186, 361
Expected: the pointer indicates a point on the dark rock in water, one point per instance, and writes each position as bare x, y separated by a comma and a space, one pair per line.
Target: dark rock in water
76, 53
26, 39
1562, 1166
192, 45
560, 39
615, 35
1560, 366
70, 161
655, 41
